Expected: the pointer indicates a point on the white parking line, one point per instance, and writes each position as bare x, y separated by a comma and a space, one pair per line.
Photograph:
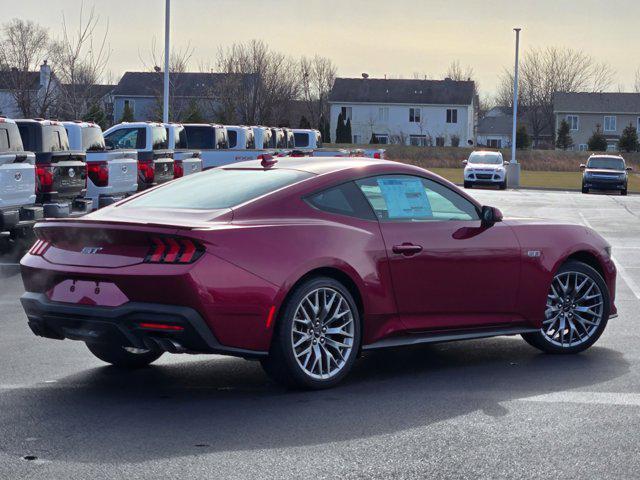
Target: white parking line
588, 398
631, 283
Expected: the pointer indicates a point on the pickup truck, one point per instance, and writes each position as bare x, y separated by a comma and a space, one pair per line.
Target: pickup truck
111, 174
155, 159
213, 142
262, 136
18, 211
61, 173
185, 161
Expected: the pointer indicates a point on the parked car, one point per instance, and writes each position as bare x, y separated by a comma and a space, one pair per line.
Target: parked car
111, 174
185, 160
485, 168
149, 139
262, 137
605, 172
278, 139
213, 142
304, 263
61, 173
18, 211
309, 140
241, 137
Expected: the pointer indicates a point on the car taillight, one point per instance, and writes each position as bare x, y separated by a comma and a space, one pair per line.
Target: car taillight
146, 171
39, 247
98, 172
173, 250
377, 155
44, 177
178, 169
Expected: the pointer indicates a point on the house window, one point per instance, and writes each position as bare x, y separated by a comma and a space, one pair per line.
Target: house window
346, 113
418, 140
414, 115
131, 104
582, 147
494, 143
609, 123
638, 126
452, 115
382, 138
383, 114
439, 141
572, 120
356, 139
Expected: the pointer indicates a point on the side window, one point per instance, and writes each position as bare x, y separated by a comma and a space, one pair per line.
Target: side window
345, 199
4, 140
233, 138
127, 138
409, 198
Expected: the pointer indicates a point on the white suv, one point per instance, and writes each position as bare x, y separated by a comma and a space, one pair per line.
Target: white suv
485, 168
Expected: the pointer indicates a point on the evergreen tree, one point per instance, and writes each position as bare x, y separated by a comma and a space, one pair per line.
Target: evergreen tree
127, 114
304, 123
326, 136
522, 138
95, 114
340, 129
563, 139
597, 142
348, 138
373, 140
193, 113
629, 139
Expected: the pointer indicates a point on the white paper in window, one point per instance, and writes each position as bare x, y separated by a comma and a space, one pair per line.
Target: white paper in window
405, 198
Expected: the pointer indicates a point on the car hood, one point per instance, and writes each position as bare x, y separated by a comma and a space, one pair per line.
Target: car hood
485, 166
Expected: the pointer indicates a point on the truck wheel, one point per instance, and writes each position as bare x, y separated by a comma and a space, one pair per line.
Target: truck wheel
503, 185
468, 185
585, 189
120, 357
624, 191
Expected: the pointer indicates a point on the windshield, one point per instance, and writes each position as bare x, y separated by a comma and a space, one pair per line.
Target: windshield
606, 163
231, 187
490, 159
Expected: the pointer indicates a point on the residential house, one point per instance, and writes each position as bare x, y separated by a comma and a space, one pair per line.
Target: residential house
495, 129
142, 92
608, 112
412, 112
27, 93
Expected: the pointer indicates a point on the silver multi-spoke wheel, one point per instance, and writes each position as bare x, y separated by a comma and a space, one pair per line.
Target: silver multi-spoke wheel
575, 309
323, 330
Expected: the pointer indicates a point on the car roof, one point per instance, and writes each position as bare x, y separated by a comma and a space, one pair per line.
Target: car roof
316, 165
617, 157
485, 152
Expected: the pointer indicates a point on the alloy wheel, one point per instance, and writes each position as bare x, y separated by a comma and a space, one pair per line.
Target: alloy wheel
575, 309
323, 330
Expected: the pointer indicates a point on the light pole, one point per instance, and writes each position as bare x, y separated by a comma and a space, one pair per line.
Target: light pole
165, 96
513, 170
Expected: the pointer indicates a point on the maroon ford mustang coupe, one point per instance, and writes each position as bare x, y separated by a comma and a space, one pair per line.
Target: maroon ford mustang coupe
305, 263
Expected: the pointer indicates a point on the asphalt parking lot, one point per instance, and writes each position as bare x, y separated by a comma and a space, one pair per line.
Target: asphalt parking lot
492, 408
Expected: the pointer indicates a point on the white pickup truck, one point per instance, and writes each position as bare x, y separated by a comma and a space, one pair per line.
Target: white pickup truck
213, 142
155, 159
309, 140
185, 160
111, 174
18, 211
262, 136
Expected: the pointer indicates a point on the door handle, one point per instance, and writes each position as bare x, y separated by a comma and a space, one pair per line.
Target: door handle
407, 249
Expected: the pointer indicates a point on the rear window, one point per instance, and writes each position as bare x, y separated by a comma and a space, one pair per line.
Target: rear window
302, 139
159, 136
218, 188
201, 137
92, 139
127, 138
4, 140
55, 139
179, 137
233, 138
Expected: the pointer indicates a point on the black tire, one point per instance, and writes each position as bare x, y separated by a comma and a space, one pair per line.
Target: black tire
468, 185
585, 189
503, 185
117, 356
540, 341
281, 364
623, 192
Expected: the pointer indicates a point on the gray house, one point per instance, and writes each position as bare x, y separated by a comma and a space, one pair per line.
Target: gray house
27, 93
587, 112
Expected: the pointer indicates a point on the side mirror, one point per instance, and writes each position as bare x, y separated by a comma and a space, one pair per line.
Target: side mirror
629, 169
490, 216
464, 162
582, 166
505, 163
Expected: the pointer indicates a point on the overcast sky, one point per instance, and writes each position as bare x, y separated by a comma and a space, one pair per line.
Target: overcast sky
379, 37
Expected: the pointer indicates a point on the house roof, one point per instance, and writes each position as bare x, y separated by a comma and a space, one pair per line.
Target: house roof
503, 125
417, 92
93, 90
7, 79
185, 84
608, 102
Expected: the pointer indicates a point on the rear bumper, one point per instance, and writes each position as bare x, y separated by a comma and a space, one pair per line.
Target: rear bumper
20, 217
121, 326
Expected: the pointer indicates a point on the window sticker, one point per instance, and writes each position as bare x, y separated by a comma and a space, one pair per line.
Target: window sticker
405, 197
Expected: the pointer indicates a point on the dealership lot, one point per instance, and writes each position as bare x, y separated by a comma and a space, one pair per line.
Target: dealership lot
491, 408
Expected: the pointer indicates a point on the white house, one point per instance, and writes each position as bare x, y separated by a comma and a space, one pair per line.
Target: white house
413, 112
36, 88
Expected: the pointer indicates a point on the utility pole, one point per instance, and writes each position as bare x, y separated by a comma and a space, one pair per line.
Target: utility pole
165, 97
513, 170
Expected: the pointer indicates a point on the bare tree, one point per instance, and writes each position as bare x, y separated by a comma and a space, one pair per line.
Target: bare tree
81, 58
317, 75
545, 71
23, 46
459, 73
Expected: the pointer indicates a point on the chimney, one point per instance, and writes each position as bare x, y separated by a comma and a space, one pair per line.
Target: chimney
45, 74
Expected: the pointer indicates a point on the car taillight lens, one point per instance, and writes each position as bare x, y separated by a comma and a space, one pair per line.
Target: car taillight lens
44, 176
98, 172
178, 169
377, 155
146, 172
39, 247
173, 250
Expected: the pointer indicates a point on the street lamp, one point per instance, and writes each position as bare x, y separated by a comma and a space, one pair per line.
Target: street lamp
165, 96
513, 169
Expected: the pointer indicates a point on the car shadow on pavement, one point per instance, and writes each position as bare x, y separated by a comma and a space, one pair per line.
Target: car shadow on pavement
226, 404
